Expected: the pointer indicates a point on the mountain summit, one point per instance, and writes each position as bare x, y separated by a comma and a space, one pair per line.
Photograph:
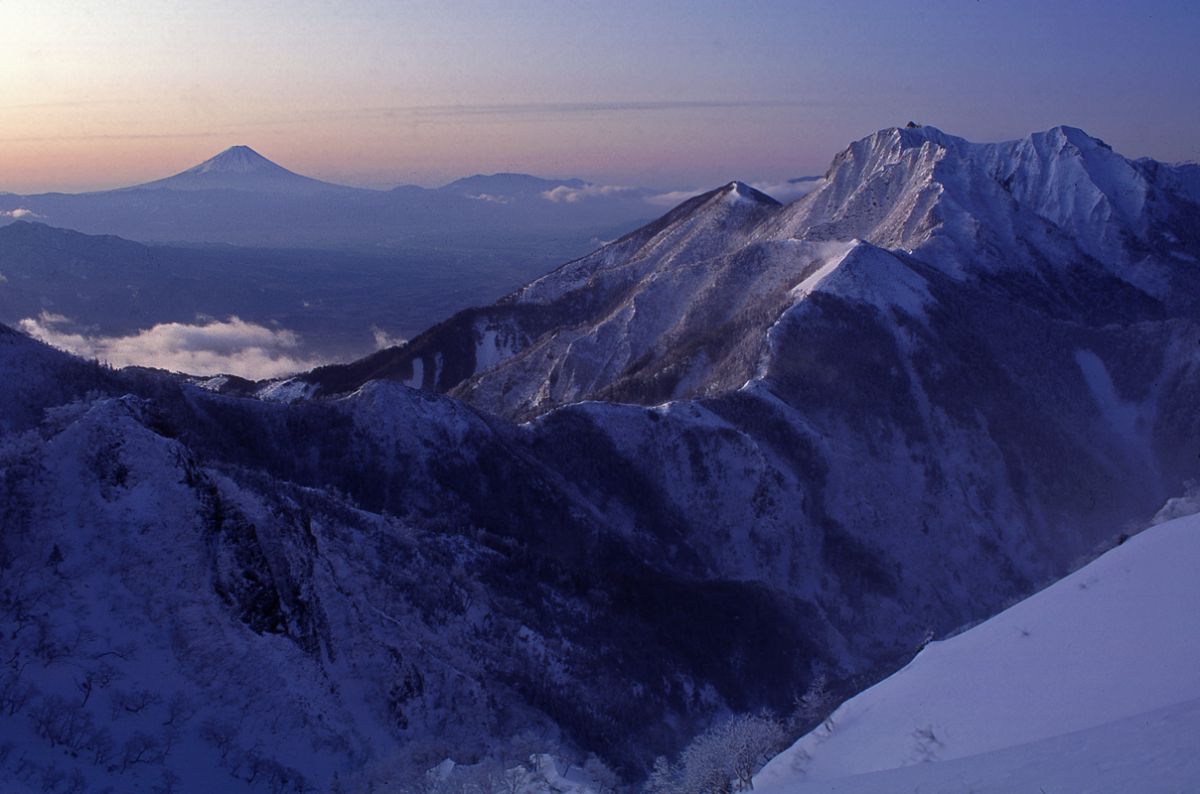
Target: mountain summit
242, 168
237, 160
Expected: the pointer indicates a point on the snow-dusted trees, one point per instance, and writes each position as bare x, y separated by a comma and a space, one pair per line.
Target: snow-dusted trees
604, 780
531, 773
662, 777
721, 760
815, 706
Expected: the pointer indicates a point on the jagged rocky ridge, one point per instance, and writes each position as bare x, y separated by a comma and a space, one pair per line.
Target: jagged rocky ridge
757, 441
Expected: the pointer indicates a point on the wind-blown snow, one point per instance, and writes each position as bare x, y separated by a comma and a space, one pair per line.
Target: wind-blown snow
1104, 660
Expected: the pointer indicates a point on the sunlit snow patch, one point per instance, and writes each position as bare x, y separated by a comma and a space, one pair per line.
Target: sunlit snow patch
289, 390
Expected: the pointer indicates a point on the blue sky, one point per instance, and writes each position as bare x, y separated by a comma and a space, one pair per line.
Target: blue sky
670, 94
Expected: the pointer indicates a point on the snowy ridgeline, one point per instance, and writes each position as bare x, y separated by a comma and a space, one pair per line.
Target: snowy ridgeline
905, 225
1091, 685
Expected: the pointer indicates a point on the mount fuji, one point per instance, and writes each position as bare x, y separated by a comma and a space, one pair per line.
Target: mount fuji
242, 168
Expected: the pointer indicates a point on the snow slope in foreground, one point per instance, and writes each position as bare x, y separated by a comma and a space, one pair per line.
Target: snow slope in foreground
1091, 685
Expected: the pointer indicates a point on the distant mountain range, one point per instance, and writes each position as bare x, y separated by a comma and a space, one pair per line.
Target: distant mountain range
744, 446
241, 197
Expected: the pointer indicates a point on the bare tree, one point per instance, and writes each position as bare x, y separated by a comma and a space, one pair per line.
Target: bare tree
15, 694
751, 742
62, 722
513, 780
220, 735
141, 748
132, 702
101, 746
725, 758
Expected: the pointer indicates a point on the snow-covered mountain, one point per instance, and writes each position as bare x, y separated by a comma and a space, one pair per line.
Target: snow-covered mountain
1090, 685
942, 376
1058, 210
392, 579
682, 476
901, 325
242, 168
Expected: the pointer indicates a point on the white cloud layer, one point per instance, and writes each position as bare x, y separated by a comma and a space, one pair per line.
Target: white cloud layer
19, 214
785, 192
492, 199
672, 199
209, 347
565, 194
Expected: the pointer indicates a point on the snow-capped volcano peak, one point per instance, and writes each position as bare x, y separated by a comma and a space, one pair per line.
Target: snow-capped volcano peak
241, 168
236, 160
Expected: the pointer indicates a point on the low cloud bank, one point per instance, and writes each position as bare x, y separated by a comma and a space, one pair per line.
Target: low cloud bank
792, 189
208, 347
674, 198
19, 214
488, 197
565, 194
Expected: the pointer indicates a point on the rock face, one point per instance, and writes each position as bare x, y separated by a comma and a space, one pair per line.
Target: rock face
681, 475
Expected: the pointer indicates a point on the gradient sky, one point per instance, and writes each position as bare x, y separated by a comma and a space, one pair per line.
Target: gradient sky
669, 94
